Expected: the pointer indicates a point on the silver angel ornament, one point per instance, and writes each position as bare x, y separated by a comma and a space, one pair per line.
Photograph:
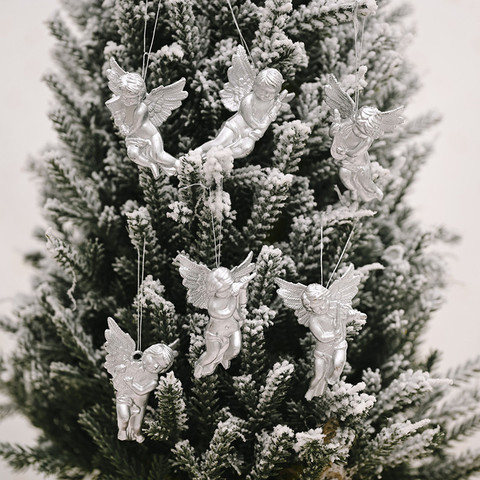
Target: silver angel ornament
223, 293
353, 134
135, 375
137, 114
326, 312
256, 98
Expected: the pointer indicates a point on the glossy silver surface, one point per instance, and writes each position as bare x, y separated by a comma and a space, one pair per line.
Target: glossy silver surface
353, 134
223, 293
135, 375
137, 114
257, 99
326, 312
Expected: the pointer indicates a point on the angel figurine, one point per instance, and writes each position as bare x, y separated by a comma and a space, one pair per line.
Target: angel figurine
138, 114
223, 293
353, 134
326, 311
257, 99
135, 375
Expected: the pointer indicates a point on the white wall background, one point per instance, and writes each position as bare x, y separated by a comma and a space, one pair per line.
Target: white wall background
447, 54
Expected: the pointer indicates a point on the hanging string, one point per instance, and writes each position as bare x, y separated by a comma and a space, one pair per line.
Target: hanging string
140, 277
146, 55
242, 38
153, 36
217, 242
321, 250
358, 51
220, 232
343, 252
145, 17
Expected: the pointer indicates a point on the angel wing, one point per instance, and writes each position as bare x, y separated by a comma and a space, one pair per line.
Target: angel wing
119, 345
114, 74
195, 278
241, 76
244, 269
292, 296
345, 288
337, 99
386, 122
161, 101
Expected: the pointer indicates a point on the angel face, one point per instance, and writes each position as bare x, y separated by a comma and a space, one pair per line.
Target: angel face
265, 93
315, 298
268, 84
157, 358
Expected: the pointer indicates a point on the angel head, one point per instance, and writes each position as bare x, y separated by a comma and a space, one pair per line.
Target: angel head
158, 358
268, 84
368, 123
316, 298
220, 281
132, 88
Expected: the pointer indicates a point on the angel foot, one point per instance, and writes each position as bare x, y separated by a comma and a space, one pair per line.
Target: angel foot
155, 170
122, 435
139, 438
316, 390
204, 370
226, 364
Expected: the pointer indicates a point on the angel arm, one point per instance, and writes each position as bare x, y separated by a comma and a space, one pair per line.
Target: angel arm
353, 315
246, 111
318, 332
260, 125
139, 117
141, 389
359, 149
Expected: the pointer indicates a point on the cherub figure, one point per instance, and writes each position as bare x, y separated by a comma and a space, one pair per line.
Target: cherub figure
326, 311
353, 134
223, 293
135, 375
257, 99
138, 114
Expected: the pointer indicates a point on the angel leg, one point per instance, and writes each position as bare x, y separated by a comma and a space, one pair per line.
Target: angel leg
318, 383
360, 183
241, 148
135, 154
166, 161
123, 416
346, 176
234, 345
135, 424
369, 189
225, 137
339, 359
208, 361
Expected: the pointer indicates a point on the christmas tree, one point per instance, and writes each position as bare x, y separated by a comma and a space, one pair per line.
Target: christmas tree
391, 414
